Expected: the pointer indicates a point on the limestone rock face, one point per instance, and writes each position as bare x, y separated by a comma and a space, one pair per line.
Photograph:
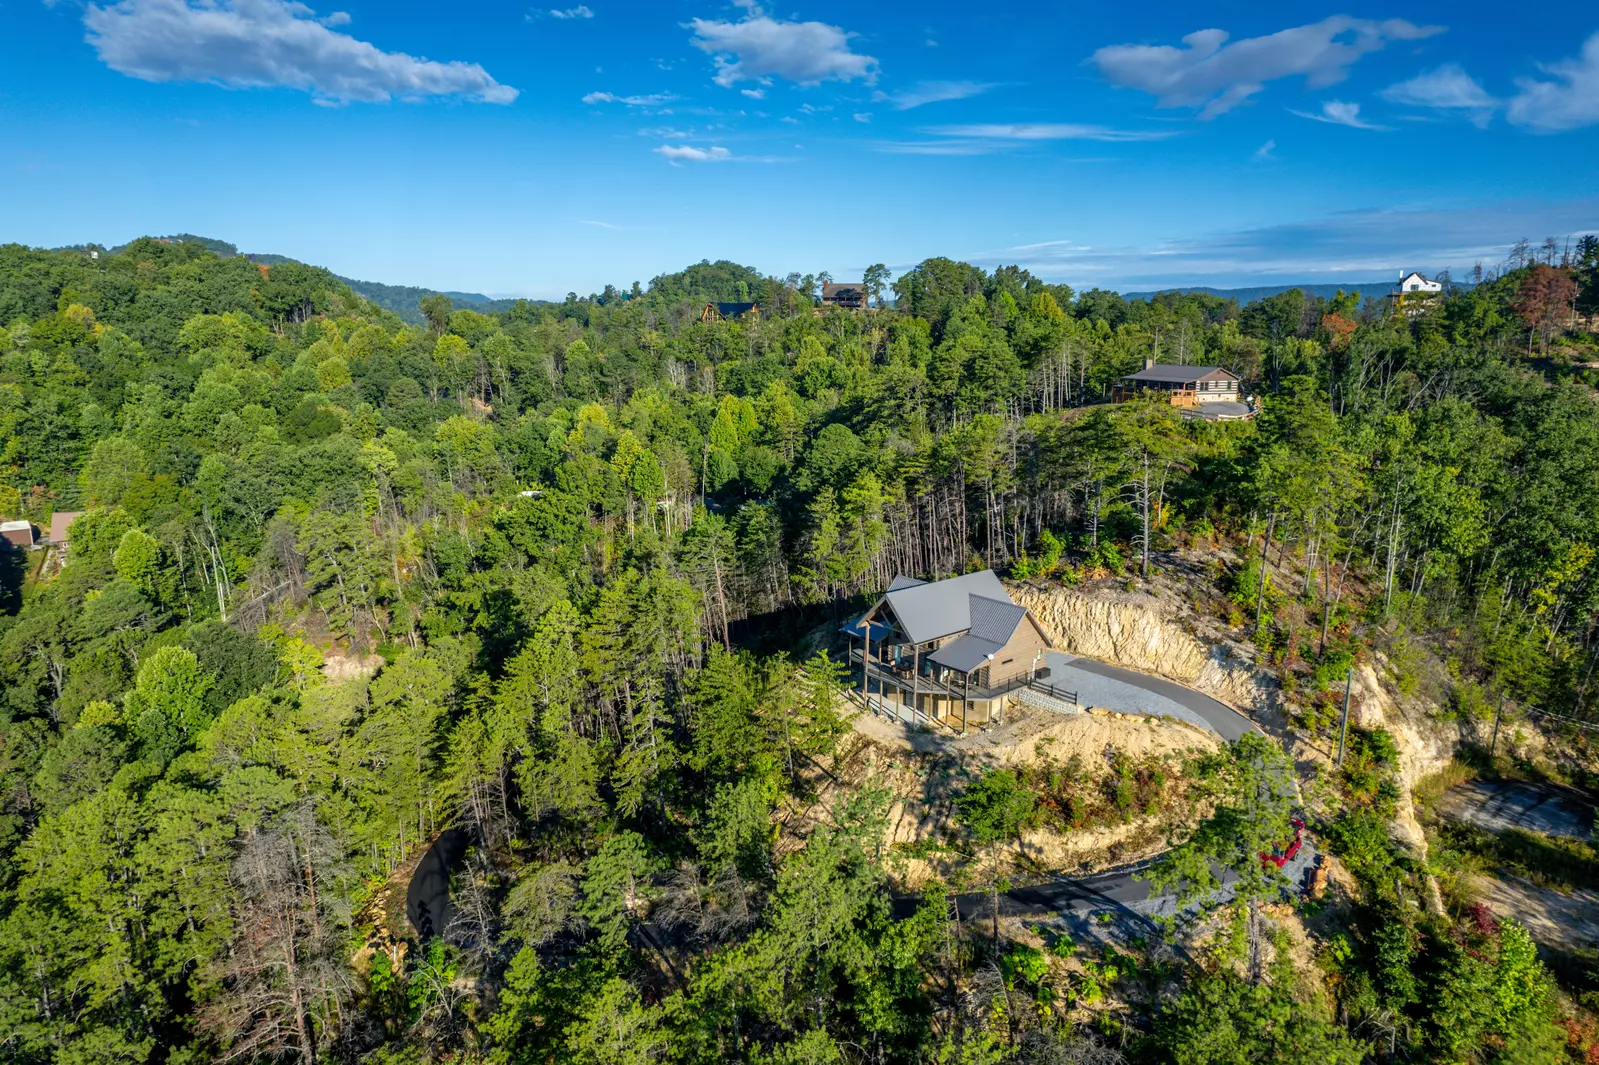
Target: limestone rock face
1142, 632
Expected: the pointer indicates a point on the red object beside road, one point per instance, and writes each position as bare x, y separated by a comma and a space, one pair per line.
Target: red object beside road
1281, 856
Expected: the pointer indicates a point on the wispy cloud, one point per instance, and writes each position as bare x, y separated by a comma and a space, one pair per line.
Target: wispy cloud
1362, 245
1339, 113
754, 94
653, 100
271, 44
760, 48
863, 116
599, 225
687, 153
1210, 74
1263, 153
580, 11
677, 154
1049, 131
665, 133
1448, 89
1568, 99
931, 92
951, 147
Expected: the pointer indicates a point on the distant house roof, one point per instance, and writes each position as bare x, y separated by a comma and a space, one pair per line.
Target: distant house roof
845, 290
734, 310
60, 521
1168, 374
943, 608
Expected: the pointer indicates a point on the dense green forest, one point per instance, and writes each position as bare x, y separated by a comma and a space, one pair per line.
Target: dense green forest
583, 539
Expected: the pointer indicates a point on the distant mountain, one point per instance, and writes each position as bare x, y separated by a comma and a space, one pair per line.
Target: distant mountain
1367, 289
403, 300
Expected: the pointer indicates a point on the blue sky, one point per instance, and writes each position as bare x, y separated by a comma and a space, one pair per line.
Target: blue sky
525, 150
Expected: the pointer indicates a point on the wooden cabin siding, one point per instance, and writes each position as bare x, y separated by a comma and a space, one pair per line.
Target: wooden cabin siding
1019, 655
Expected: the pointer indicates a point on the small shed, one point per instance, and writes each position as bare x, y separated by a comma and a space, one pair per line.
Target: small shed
18, 534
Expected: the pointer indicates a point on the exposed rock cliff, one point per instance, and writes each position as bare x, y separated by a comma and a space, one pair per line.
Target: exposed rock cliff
1144, 632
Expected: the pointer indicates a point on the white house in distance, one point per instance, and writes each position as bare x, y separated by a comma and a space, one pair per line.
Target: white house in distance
1415, 293
1414, 283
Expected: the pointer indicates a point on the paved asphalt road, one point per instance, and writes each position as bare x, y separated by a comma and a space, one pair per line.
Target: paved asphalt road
1497, 805
1115, 688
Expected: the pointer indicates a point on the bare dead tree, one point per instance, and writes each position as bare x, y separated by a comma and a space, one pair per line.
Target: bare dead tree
283, 981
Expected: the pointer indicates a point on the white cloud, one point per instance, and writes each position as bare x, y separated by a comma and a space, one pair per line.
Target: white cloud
1263, 153
267, 44
665, 133
653, 100
678, 154
598, 225
580, 11
760, 48
941, 147
1215, 76
1340, 113
1569, 101
1448, 88
687, 153
931, 92
863, 116
754, 94
1049, 131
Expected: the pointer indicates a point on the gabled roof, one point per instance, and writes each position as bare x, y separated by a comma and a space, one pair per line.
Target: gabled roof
965, 653
993, 624
943, 608
59, 522
844, 290
1181, 374
903, 581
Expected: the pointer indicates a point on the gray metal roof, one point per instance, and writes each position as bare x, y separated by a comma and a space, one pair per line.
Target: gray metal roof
993, 619
943, 608
966, 653
1179, 373
903, 581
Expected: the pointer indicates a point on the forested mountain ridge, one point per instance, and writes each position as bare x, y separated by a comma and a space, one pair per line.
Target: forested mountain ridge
548, 522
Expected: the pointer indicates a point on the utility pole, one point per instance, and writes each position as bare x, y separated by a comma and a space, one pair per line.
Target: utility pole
1499, 713
1343, 726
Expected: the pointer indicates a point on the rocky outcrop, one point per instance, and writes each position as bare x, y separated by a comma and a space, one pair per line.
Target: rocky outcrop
1143, 632
1152, 633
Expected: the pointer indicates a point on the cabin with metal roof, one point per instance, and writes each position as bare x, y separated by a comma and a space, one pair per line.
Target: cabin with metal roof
730, 312
1205, 391
950, 652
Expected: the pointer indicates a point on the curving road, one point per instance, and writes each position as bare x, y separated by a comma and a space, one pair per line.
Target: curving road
1131, 692
1119, 891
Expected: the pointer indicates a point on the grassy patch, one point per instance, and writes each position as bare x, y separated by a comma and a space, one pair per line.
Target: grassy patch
1548, 861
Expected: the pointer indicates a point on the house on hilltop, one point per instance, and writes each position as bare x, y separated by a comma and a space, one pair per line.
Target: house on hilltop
1414, 282
947, 651
1414, 292
1208, 392
848, 295
730, 312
